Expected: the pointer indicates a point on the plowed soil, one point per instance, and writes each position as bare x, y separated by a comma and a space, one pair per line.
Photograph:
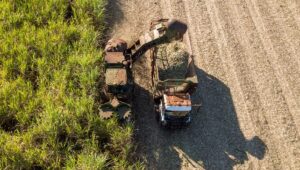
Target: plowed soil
247, 54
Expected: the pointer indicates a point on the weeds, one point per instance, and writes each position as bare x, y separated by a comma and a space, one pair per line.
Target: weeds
49, 68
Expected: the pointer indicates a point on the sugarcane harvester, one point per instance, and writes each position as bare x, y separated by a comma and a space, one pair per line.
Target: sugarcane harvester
118, 89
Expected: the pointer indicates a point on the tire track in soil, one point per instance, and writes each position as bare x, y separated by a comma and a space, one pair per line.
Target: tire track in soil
285, 60
287, 27
289, 134
279, 66
250, 38
287, 44
235, 50
287, 21
294, 8
213, 59
245, 81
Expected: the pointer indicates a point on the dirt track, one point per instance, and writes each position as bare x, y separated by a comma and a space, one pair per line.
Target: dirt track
248, 62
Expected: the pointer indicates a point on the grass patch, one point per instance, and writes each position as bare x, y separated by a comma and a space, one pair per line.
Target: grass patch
50, 64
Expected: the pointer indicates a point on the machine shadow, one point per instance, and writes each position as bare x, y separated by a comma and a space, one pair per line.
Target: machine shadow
212, 141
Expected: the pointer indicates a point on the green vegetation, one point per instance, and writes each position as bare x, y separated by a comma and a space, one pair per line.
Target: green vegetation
49, 80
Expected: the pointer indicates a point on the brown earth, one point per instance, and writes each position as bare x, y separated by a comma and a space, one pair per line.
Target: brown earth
247, 57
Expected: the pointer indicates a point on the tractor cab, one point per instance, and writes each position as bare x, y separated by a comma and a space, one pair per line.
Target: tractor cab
174, 109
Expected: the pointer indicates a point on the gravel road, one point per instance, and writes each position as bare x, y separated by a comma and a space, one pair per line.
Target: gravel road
247, 54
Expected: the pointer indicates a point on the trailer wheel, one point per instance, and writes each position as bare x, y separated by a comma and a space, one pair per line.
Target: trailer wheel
163, 123
156, 112
128, 119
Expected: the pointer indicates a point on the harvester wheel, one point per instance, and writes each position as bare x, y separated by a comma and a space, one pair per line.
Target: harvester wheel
106, 111
106, 114
128, 118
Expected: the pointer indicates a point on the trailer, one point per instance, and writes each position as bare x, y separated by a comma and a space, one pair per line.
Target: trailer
172, 89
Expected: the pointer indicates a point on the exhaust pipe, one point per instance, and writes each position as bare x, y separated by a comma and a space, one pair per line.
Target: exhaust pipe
162, 116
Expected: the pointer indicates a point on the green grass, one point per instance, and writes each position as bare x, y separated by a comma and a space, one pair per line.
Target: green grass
50, 64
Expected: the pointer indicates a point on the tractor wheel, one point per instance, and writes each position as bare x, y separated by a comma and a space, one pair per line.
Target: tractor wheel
162, 123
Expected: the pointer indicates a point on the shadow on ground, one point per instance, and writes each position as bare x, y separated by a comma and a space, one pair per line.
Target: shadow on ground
213, 140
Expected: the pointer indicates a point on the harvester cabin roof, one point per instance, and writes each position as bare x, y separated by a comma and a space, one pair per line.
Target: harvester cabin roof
114, 57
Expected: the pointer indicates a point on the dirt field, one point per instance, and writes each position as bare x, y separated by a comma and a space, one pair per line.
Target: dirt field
247, 54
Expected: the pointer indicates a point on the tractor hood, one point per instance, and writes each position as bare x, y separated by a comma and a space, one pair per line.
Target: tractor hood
178, 102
